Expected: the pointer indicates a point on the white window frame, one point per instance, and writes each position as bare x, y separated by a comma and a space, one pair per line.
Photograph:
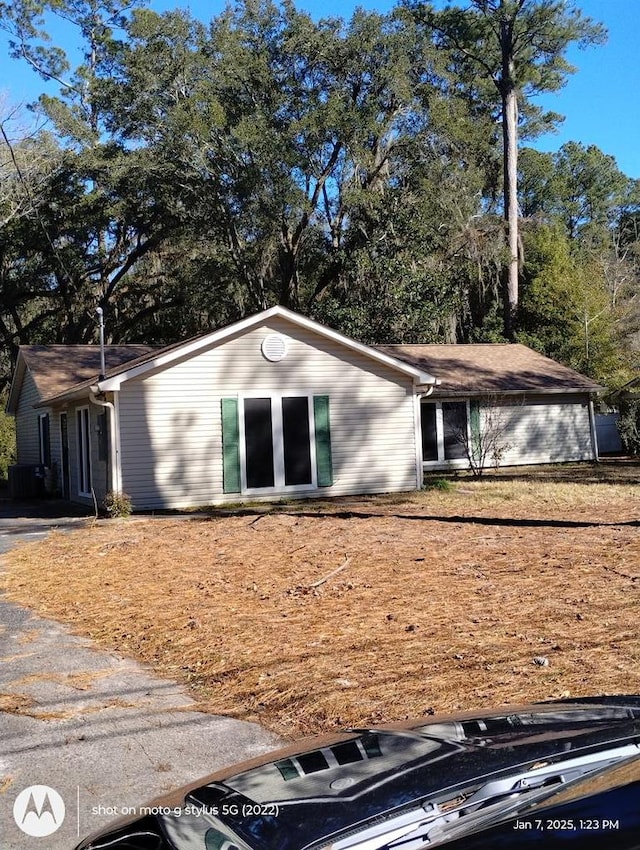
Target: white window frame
64, 473
41, 444
278, 444
83, 446
460, 462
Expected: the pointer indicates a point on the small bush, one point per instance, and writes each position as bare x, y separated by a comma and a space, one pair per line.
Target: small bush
442, 484
117, 505
629, 426
7, 441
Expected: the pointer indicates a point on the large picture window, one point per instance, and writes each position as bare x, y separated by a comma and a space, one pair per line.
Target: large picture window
276, 443
445, 430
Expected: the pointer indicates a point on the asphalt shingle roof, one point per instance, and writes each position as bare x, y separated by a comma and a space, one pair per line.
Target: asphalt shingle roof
462, 369
490, 368
58, 368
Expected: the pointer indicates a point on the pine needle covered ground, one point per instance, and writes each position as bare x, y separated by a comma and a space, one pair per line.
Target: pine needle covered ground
362, 611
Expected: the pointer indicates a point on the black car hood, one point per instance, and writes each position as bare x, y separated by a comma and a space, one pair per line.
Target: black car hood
309, 797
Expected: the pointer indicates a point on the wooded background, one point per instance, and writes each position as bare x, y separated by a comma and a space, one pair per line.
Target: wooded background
373, 173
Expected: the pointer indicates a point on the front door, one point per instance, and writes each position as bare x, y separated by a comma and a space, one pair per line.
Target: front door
277, 442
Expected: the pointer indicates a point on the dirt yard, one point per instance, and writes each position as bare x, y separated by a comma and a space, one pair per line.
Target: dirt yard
312, 616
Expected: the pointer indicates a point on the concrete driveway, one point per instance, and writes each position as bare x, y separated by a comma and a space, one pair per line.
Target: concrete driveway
99, 729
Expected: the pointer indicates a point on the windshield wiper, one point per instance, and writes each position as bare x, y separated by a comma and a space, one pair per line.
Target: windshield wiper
436, 822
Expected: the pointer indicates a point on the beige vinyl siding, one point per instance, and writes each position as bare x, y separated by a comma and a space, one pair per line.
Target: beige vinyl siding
170, 422
547, 429
27, 434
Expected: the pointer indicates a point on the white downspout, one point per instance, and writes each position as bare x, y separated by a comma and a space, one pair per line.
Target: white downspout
114, 454
594, 433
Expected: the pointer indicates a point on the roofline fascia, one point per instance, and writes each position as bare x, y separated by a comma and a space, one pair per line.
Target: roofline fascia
527, 391
216, 337
69, 396
627, 388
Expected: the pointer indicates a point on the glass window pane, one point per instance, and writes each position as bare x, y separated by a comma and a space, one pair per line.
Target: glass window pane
429, 433
313, 762
454, 415
258, 434
295, 434
347, 753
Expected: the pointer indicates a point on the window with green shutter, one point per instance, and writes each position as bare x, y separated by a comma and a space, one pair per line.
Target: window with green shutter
449, 429
324, 462
230, 446
268, 441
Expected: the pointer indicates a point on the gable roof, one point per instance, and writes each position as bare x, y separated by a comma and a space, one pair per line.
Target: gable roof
57, 369
65, 371
61, 372
479, 369
166, 356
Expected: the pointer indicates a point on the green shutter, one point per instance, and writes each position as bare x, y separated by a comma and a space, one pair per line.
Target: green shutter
323, 440
474, 424
230, 446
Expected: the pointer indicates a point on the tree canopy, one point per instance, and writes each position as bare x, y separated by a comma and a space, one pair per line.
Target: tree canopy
189, 173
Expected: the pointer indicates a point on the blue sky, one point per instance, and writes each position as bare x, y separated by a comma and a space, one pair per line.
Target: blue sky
601, 102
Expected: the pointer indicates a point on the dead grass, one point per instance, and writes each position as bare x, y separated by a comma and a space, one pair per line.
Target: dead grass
78, 681
29, 636
15, 703
5, 783
445, 600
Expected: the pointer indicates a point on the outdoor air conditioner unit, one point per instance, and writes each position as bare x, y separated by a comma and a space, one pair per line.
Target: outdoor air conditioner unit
26, 481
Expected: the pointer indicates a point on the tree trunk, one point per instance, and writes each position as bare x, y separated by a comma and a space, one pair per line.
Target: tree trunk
510, 164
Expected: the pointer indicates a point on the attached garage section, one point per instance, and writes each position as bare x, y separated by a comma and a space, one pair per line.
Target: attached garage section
541, 410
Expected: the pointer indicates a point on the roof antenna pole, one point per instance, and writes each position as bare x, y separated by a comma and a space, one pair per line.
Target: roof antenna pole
103, 367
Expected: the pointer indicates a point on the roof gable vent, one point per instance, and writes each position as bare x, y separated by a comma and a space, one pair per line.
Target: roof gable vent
274, 348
